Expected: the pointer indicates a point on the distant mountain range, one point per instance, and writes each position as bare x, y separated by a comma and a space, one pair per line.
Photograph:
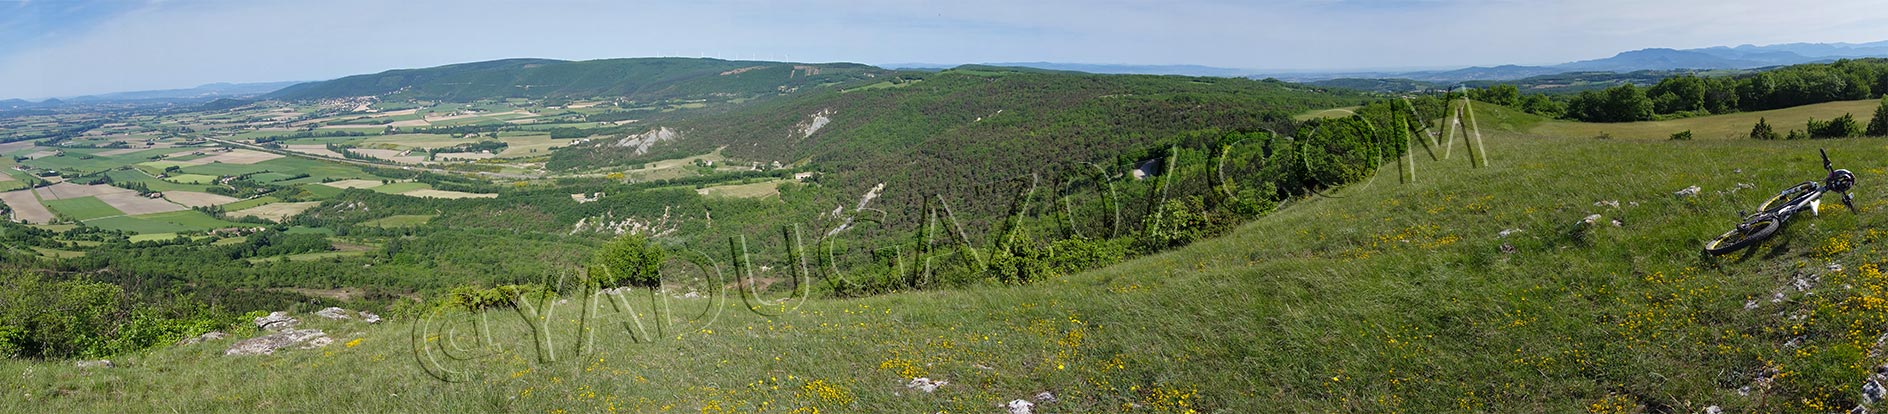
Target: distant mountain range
201, 93
1655, 59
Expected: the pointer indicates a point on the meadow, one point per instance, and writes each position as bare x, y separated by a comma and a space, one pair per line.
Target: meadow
1729, 126
171, 222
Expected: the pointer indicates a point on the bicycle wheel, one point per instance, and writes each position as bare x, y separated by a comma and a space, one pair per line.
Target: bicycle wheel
1787, 195
1737, 239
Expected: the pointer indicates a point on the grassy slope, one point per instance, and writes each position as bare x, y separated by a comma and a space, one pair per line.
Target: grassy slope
1730, 126
1327, 113
1393, 297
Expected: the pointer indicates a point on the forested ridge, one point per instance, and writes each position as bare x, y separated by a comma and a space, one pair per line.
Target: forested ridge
963, 134
1691, 95
640, 79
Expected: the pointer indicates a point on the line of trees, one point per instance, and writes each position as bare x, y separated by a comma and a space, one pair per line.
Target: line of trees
1693, 95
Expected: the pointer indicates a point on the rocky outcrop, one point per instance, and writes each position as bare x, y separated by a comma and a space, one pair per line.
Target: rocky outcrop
813, 124
268, 344
277, 322
103, 363
205, 337
642, 142
333, 313
339, 313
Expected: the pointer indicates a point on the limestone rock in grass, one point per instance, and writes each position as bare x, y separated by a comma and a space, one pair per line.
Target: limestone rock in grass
1045, 397
1019, 406
205, 337
332, 313
1688, 191
103, 363
277, 321
369, 317
1508, 232
1872, 391
1713, 410
1805, 283
1589, 221
268, 344
318, 342
925, 384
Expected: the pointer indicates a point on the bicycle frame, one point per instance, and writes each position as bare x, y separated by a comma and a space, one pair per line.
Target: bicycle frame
1812, 200
1808, 195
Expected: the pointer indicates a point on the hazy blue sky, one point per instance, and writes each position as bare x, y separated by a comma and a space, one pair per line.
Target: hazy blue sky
68, 47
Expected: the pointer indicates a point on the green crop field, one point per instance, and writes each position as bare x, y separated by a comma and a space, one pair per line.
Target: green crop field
269, 177
224, 169
155, 184
249, 203
530, 145
761, 189
88, 163
417, 140
286, 165
152, 237
319, 190
171, 222
303, 257
157, 167
198, 179
82, 208
397, 188
405, 220
1327, 113
11, 179
56, 253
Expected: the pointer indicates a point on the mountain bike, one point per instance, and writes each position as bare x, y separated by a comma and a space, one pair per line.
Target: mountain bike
1778, 209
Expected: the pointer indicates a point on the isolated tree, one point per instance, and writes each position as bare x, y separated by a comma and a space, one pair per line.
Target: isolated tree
1762, 130
629, 260
1878, 127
